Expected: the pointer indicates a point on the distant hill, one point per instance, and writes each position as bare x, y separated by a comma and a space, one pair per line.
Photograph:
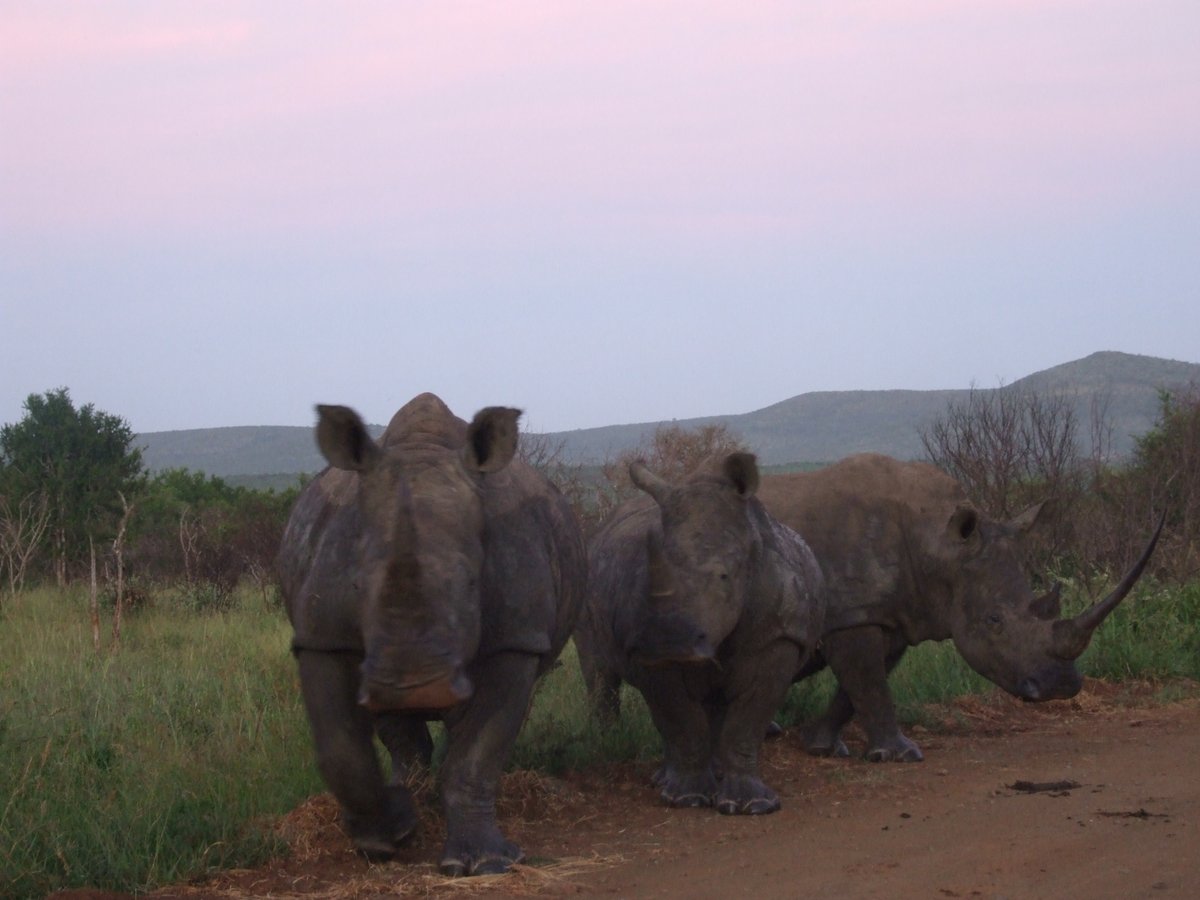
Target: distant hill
811, 427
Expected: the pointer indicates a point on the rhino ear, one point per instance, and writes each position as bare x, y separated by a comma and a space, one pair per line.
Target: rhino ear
1048, 607
1038, 514
343, 439
963, 524
645, 480
742, 470
491, 439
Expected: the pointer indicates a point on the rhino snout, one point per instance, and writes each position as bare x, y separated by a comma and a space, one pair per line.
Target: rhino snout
1057, 684
662, 649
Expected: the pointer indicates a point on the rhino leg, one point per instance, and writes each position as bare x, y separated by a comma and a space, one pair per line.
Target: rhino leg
377, 816
407, 741
482, 732
686, 777
861, 658
603, 689
754, 693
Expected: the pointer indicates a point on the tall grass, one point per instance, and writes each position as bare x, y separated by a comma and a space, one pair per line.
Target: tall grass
140, 767
130, 769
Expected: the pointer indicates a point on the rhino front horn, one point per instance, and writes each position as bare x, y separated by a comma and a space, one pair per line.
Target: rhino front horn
1071, 636
661, 583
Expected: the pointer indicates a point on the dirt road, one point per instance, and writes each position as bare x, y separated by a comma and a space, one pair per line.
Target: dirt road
1122, 821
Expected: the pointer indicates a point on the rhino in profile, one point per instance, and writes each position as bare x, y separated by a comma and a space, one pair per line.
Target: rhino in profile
430, 575
707, 605
907, 559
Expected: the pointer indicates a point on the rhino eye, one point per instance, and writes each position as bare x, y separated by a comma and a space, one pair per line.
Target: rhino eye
994, 622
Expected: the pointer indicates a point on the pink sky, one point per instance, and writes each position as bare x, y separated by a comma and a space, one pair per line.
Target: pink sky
698, 114
999, 186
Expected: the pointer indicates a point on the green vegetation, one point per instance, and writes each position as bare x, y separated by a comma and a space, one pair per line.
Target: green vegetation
130, 769
125, 770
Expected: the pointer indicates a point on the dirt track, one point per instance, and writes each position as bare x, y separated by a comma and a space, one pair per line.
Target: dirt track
949, 827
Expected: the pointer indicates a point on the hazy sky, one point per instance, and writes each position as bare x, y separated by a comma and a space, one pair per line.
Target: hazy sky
606, 212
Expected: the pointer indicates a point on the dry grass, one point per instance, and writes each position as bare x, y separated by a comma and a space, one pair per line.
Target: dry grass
320, 864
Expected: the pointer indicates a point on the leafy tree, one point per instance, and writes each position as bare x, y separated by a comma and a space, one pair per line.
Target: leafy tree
81, 460
1164, 474
206, 533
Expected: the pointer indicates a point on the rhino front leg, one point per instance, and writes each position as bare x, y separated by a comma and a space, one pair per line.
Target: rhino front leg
754, 693
861, 658
377, 816
482, 732
686, 778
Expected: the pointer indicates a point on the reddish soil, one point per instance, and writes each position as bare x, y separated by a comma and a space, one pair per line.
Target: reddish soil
1124, 822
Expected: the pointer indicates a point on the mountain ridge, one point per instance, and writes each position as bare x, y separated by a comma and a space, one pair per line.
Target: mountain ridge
809, 427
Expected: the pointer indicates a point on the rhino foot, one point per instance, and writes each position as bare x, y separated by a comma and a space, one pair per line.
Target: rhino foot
896, 749
378, 837
774, 730
692, 790
819, 740
746, 795
459, 860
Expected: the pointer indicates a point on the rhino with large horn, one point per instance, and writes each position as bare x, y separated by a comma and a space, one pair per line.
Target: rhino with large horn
907, 559
707, 605
430, 575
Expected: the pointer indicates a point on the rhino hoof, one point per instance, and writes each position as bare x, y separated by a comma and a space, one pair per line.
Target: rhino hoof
456, 867
758, 807
687, 801
821, 739
746, 795
902, 750
774, 730
378, 837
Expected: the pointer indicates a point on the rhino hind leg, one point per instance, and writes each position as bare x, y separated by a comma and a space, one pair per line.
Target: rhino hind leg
378, 817
408, 742
603, 690
823, 737
861, 658
482, 732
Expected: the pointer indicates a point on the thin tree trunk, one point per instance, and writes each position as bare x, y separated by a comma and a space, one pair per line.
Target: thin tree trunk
119, 553
95, 598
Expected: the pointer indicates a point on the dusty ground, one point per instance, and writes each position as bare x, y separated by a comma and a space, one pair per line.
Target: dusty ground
953, 826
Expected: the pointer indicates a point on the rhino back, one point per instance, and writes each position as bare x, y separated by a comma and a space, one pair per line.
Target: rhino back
866, 519
617, 579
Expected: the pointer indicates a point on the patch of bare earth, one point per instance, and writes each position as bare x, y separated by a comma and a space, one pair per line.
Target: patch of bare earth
1096, 797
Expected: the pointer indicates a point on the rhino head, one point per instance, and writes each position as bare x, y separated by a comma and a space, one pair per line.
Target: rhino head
700, 567
1017, 640
420, 553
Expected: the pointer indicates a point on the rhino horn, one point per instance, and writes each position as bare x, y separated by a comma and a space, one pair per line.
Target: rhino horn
661, 583
1071, 636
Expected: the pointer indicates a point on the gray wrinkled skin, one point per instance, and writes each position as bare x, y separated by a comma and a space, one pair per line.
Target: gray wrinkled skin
431, 575
707, 605
906, 559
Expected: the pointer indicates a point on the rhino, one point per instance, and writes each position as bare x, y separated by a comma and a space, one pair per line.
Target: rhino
707, 605
906, 559
429, 575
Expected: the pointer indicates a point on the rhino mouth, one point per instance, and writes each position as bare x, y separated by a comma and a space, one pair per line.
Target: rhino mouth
1062, 685
441, 691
